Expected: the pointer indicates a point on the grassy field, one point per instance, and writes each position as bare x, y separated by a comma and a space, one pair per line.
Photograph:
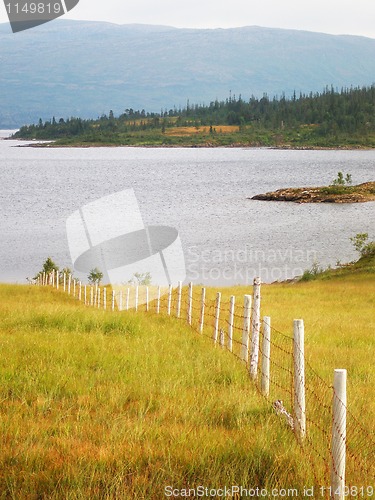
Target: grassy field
99, 404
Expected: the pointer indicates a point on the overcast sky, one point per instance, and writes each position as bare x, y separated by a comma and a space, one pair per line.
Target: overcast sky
354, 17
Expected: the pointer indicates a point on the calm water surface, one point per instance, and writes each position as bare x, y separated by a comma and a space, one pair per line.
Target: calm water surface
227, 238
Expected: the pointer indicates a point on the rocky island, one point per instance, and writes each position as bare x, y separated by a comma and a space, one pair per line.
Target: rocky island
328, 194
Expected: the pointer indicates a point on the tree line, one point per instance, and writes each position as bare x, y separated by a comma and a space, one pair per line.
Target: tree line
350, 110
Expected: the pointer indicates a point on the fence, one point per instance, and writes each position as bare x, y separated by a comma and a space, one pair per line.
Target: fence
339, 450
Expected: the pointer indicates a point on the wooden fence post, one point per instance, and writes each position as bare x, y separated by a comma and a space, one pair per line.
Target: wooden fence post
266, 352
64, 282
217, 316
299, 413
91, 295
127, 299
57, 279
169, 300
104, 298
255, 330
80, 290
338, 446
190, 303
158, 300
69, 283
203, 303
230, 322
179, 297
246, 329
85, 294
98, 299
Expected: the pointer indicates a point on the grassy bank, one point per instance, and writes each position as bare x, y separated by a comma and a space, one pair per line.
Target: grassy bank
97, 404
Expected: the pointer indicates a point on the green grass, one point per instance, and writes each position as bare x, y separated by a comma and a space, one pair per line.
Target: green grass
95, 404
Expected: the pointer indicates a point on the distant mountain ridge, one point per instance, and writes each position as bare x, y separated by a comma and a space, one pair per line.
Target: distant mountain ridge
73, 68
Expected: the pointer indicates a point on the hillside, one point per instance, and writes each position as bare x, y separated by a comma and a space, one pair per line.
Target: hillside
72, 68
100, 404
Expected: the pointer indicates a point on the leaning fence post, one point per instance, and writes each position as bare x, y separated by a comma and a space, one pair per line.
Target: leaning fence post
203, 303
217, 316
169, 300
338, 446
299, 414
230, 322
246, 329
255, 330
179, 296
190, 303
266, 352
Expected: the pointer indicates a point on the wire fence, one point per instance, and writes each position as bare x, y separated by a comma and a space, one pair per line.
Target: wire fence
338, 448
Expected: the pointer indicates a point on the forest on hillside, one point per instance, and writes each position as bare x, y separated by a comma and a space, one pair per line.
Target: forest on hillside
332, 116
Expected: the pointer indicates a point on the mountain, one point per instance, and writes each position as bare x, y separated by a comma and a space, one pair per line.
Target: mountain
73, 68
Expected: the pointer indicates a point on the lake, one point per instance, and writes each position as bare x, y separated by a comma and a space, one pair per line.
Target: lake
203, 193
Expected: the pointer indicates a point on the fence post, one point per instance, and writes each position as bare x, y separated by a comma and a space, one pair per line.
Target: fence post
64, 282
169, 300
104, 298
147, 299
80, 290
127, 299
85, 294
69, 283
98, 299
255, 330
203, 303
74, 288
91, 295
158, 301
266, 352
179, 296
246, 329
190, 303
230, 322
113, 300
217, 316
299, 414
338, 446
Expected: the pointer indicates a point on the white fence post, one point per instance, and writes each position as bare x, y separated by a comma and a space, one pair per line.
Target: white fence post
255, 330
158, 301
299, 413
169, 300
338, 446
147, 299
190, 303
266, 352
64, 282
85, 294
217, 316
127, 299
98, 297
69, 283
179, 296
80, 290
246, 329
104, 298
203, 303
91, 295
230, 322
